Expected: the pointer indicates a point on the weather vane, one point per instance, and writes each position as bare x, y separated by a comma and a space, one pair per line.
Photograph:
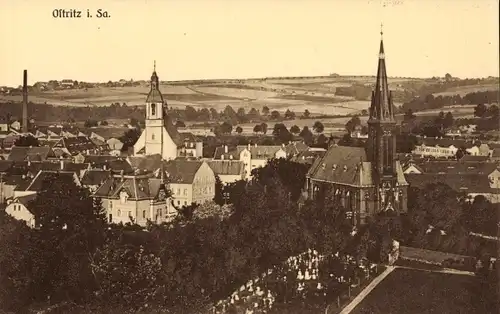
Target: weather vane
381, 29
154, 65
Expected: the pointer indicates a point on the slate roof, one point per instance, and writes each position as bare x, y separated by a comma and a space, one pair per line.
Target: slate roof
181, 170
346, 166
259, 152
295, 148
172, 131
467, 158
155, 96
452, 166
19, 153
36, 184
138, 187
227, 167
145, 163
95, 177
231, 151
16, 180
76, 145
107, 132
25, 199
447, 142
5, 165
468, 183
308, 156
496, 153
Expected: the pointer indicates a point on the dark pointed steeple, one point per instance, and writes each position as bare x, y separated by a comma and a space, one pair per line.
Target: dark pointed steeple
381, 108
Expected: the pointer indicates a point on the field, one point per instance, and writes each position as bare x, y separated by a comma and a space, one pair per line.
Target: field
297, 94
463, 90
417, 292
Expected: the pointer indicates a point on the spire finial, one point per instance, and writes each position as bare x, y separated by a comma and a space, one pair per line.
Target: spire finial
154, 66
381, 30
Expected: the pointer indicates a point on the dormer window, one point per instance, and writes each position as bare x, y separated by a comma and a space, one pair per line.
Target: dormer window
123, 197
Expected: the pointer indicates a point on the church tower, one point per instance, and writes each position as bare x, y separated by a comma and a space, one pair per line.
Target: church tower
160, 135
381, 149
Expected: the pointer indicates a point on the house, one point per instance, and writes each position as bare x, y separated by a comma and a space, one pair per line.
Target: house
295, 148
9, 183
67, 83
229, 171
9, 141
147, 163
36, 184
74, 145
190, 181
114, 144
443, 147
160, 136
135, 198
495, 154
257, 156
308, 157
366, 182
18, 209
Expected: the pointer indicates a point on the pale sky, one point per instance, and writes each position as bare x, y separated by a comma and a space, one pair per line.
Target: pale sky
198, 39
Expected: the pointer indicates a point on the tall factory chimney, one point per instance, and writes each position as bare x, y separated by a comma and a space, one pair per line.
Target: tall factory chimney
25, 102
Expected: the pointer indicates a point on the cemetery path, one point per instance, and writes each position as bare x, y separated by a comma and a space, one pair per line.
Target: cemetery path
367, 290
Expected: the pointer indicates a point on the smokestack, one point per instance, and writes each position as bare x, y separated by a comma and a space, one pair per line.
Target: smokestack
25, 102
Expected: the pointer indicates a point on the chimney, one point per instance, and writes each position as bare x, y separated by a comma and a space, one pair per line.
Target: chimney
255, 144
225, 149
248, 146
222, 157
62, 163
25, 102
121, 175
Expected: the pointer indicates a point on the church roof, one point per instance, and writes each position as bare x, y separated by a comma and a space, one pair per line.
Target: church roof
155, 96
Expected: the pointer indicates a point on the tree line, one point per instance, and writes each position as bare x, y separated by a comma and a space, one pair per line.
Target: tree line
435, 102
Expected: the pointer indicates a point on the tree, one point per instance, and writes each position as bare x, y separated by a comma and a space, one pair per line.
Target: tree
265, 110
281, 132
448, 120
134, 122
180, 124
219, 187
318, 127
212, 209
306, 114
104, 122
306, 135
190, 113
90, 123
289, 115
294, 129
257, 128
275, 115
263, 127
239, 130
409, 116
448, 77
27, 141
226, 127
352, 124
253, 114
480, 110
71, 226
129, 138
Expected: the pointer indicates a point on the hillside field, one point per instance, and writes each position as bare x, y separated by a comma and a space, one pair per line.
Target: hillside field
318, 95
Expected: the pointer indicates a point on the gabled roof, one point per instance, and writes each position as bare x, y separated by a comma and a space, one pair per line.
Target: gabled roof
25, 199
308, 156
181, 170
496, 153
227, 167
19, 153
259, 152
76, 144
453, 166
343, 165
295, 148
108, 132
467, 158
172, 131
147, 163
95, 177
447, 142
220, 151
137, 187
37, 184
5, 165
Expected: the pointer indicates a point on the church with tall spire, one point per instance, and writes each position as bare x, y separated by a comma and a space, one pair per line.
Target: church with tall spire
366, 181
160, 135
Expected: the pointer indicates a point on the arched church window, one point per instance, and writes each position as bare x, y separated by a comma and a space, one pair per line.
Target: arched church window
153, 109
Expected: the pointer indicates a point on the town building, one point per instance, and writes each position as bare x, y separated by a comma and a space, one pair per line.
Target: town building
366, 181
160, 136
229, 171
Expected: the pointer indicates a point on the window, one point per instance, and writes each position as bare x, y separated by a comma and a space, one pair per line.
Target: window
185, 203
110, 217
178, 202
143, 214
130, 214
119, 213
159, 212
178, 191
110, 204
153, 136
153, 109
185, 192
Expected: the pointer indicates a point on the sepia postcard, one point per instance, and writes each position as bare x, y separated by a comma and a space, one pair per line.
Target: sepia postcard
265, 156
